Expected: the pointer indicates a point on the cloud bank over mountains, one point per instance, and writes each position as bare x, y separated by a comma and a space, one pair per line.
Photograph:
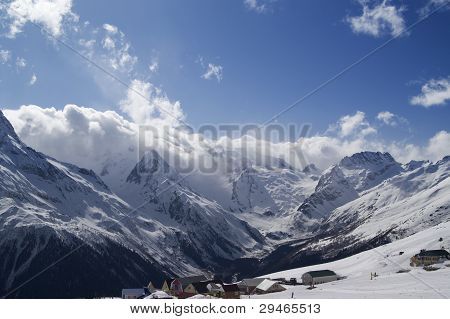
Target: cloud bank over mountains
85, 136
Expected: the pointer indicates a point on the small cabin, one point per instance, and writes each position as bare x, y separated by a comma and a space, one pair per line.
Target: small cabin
166, 284
209, 287
247, 286
318, 277
196, 288
268, 286
429, 257
178, 285
151, 288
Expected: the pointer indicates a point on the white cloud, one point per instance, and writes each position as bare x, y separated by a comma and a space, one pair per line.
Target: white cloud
434, 92
379, 19
154, 65
351, 124
5, 56
438, 146
432, 5
256, 5
33, 79
387, 118
88, 44
146, 104
78, 135
119, 56
108, 43
21, 62
107, 47
213, 71
110, 28
391, 119
439, 2
50, 14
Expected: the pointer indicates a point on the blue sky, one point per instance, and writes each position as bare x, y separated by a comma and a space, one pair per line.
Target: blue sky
262, 56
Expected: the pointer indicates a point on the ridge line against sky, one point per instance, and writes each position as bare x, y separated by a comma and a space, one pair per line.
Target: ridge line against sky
212, 72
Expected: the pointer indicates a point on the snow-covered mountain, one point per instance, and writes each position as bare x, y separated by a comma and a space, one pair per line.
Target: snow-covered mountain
267, 196
51, 210
404, 203
210, 233
343, 183
48, 208
148, 220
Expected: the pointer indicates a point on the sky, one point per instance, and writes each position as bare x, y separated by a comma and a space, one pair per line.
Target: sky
237, 61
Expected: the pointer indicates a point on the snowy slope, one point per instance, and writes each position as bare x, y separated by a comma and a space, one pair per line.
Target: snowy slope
386, 261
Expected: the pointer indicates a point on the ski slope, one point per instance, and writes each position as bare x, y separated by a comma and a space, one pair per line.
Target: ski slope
386, 261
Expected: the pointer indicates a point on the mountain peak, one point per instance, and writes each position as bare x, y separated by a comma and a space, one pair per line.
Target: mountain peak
150, 165
6, 128
445, 159
364, 158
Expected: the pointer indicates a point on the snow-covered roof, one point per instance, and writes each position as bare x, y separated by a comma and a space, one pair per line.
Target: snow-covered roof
159, 295
202, 297
252, 282
266, 284
214, 287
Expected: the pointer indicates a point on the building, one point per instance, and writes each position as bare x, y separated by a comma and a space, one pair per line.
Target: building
151, 287
166, 284
268, 286
209, 287
134, 293
178, 285
318, 277
247, 286
429, 257
231, 291
196, 288
216, 289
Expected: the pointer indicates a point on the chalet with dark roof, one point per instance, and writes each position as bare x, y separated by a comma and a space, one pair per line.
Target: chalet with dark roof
429, 257
231, 291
